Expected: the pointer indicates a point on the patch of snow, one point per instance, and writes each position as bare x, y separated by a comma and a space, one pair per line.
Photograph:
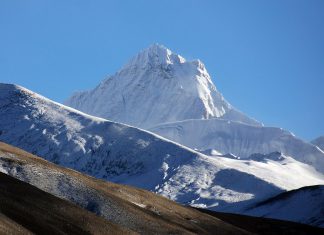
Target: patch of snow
139, 204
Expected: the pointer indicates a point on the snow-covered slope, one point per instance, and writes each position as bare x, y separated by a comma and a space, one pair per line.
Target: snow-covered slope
157, 86
219, 183
304, 205
91, 145
131, 208
129, 155
240, 139
319, 142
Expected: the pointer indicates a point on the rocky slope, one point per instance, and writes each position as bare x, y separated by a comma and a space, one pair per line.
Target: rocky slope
25, 209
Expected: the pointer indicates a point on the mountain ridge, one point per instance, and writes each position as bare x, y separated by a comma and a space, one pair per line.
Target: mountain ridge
128, 155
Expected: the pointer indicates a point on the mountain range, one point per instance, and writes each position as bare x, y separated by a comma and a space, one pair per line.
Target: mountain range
128, 155
160, 124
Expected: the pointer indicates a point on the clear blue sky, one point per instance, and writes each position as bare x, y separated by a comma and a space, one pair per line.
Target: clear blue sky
266, 57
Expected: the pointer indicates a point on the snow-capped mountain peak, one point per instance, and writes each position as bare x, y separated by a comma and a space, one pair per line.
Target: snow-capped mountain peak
157, 86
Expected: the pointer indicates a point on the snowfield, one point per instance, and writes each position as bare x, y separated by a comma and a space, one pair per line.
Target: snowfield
240, 139
128, 155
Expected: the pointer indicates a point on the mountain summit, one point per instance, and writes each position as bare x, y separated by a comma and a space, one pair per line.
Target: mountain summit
157, 86
156, 55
